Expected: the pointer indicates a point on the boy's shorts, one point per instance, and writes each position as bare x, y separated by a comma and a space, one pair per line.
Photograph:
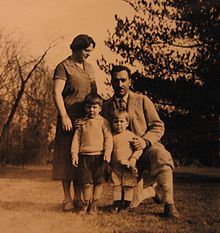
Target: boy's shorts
123, 177
90, 169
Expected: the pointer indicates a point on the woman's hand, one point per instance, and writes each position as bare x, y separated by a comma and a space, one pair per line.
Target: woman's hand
79, 122
66, 123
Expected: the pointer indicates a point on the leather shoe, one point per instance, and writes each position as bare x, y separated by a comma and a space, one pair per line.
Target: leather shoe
67, 206
170, 211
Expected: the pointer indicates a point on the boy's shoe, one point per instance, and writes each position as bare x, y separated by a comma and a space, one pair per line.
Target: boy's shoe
93, 208
125, 206
68, 206
170, 211
116, 207
115, 210
85, 208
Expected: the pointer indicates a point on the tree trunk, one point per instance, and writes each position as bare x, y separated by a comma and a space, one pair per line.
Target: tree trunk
10, 119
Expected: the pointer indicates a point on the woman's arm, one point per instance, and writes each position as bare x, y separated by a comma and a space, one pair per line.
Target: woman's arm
58, 86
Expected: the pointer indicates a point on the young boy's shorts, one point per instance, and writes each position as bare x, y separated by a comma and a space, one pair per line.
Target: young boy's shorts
90, 169
123, 177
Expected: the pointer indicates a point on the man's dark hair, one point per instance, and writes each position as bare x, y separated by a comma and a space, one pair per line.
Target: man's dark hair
81, 42
119, 68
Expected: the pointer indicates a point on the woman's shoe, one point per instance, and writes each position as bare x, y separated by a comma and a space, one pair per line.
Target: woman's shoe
68, 206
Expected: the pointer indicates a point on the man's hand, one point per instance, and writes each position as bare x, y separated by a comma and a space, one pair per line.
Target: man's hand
138, 143
124, 162
75, 161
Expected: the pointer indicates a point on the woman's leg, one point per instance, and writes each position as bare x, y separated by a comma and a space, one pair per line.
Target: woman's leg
77, 191
67, 203
66, 189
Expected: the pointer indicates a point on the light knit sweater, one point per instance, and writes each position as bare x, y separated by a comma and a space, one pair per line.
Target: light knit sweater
122, 150
93, 138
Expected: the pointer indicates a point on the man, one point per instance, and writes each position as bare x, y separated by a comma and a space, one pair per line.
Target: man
145, 123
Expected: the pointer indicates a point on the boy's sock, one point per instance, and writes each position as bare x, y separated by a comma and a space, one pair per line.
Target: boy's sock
128, 193
97, 191
87, 191
117, 192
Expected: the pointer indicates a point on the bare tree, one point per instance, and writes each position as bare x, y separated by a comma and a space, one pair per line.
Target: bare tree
17, 69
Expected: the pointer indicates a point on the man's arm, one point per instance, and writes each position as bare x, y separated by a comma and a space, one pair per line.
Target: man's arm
155, 125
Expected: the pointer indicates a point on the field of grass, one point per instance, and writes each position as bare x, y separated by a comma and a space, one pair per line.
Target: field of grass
31, 203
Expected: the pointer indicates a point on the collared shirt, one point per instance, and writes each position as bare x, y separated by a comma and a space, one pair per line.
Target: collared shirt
121, 103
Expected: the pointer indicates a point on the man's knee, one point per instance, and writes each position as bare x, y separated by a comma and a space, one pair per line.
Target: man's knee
155, 159
159, 158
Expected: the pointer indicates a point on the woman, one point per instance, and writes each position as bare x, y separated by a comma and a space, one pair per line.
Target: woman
73, 79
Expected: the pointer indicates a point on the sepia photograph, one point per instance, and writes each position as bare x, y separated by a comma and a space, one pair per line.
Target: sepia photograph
110, 116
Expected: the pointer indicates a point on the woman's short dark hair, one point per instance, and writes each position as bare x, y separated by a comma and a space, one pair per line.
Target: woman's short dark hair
119, 68
82, 41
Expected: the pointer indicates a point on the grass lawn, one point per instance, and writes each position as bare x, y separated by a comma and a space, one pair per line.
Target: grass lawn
30, 202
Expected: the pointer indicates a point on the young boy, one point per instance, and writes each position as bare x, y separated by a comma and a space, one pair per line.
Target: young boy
92, 144
123, 162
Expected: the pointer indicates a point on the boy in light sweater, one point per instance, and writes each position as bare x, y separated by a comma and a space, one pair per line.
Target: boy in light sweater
123, 162
92, 145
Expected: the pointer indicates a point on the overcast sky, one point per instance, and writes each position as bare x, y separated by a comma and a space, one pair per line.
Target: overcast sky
39, 22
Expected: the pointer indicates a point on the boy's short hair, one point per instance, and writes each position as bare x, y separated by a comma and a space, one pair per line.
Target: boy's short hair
93, 99
118, 113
